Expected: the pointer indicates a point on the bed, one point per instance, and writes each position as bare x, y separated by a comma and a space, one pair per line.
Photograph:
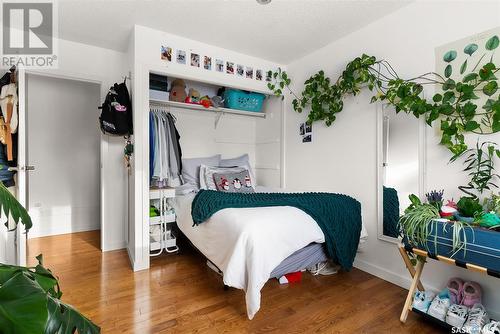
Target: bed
250, 245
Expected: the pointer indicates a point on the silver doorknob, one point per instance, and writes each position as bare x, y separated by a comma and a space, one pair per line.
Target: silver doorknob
28, 168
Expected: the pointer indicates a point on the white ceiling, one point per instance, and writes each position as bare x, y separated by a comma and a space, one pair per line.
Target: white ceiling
281, 31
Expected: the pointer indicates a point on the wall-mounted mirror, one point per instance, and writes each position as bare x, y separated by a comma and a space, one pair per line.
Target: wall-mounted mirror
400, 166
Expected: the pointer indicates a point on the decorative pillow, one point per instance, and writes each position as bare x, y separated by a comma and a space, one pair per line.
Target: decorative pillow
241, 161
207, 175
191, 168
239, 182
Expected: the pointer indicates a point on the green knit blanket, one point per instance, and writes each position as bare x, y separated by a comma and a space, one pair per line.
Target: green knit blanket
338, 216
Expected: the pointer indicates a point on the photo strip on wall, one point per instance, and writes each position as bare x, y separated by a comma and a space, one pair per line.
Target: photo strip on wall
168, 54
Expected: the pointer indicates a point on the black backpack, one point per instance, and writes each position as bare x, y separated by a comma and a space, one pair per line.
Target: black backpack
116, 114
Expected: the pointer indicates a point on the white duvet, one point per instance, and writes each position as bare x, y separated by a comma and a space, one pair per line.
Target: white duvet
248, 243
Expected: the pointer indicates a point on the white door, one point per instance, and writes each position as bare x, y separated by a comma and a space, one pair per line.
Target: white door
60, 178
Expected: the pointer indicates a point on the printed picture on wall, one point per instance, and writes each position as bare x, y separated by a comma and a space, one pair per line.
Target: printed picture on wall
195, 60
240, 70
181, 57
258, 75
249, 72
229, 67
166, 53
305, 131
207, 63
463, 61
219, 65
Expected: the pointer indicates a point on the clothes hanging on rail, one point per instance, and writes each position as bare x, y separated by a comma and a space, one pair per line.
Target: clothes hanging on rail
165, 151
9, 116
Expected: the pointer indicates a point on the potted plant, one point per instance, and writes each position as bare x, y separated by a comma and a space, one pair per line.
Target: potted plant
421, 224
468, 208
30, 297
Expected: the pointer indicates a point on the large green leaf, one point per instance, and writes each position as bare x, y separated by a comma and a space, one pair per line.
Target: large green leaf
10, 206
64, 319
470, 49
23, 305
492, 43
450, 56
29, 303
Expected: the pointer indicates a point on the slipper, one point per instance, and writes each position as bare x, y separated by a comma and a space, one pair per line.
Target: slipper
472, 294
455, 287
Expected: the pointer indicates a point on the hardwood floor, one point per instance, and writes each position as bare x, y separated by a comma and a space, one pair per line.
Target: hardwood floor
179, 294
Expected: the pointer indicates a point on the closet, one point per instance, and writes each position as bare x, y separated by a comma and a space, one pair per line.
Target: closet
203, 131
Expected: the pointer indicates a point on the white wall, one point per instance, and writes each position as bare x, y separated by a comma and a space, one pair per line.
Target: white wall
84, 62
235, 135
342, 158
63, 145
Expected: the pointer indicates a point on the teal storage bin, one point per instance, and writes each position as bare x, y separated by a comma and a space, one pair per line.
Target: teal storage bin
240, 100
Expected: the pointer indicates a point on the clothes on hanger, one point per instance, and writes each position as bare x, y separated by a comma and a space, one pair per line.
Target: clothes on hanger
9, 113
165, 151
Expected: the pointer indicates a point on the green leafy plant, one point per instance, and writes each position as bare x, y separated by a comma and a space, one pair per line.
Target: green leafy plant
30, 303
11, 207
30, 296
469, 206
492, 204
457, 106
479, 163
419, 223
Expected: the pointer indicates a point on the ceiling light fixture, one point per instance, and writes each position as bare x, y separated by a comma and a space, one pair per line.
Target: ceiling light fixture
263, 2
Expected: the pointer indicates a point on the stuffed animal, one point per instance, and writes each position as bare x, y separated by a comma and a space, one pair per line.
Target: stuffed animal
178, 91
193, 96
217, 101
205, 101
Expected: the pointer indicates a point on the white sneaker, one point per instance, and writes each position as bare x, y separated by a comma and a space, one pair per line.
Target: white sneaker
491, 328
323, 268
422, 300
456, 315
476, 320
439, 307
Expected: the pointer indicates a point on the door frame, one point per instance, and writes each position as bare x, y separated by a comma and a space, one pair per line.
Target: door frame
22, 185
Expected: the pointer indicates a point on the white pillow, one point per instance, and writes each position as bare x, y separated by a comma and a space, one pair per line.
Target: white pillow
207, 175
191, 168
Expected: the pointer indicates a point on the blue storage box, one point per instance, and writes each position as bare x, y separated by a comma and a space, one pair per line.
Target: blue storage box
482, 248
240, 100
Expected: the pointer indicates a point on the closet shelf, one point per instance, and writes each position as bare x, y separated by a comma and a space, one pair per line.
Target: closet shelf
157, 193
190, 106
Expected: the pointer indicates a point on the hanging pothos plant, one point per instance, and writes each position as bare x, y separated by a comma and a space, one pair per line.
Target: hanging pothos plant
457, 106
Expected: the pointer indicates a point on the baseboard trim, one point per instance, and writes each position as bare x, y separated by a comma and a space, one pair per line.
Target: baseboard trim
383, 273
41, 232
116, 245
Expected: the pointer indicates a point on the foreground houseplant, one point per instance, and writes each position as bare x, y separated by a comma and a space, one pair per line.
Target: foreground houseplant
30, 296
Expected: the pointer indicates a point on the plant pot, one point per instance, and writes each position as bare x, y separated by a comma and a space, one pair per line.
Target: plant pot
483, 245
464, 219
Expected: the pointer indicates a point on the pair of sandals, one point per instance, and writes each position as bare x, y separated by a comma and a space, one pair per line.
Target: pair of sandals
464, 293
